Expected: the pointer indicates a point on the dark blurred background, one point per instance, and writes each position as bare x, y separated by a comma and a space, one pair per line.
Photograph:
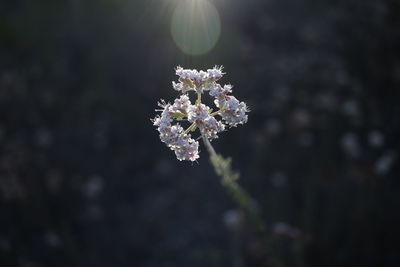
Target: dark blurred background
85, 181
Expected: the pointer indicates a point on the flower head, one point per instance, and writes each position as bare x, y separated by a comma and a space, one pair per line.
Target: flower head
231, 111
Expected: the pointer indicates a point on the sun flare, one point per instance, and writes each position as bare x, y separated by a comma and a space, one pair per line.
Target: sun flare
195, 26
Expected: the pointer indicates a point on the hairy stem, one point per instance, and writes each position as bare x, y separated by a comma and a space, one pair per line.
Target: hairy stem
222, 167
229, 179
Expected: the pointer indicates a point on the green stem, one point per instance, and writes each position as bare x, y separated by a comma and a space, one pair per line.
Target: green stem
219, 111
198, 101
222, 167
229, 177
215, 113
191, 127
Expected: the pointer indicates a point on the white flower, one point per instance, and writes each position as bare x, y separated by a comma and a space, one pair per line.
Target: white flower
236, 116
183, 87
171, 134
185, 74
198, 113
219, 91
212, 127
215, 73
201, 116
188, 151
199, 81
232, 103
181, 105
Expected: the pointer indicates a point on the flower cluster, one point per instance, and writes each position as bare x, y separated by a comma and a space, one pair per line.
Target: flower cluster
232, 111
198, 81
199, 115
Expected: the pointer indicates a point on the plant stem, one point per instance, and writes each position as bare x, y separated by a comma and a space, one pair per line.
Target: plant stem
198, 100
229, 179
191, 127
215, 113
222, 167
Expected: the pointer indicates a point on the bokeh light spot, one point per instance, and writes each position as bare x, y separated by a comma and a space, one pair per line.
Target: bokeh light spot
195, 26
